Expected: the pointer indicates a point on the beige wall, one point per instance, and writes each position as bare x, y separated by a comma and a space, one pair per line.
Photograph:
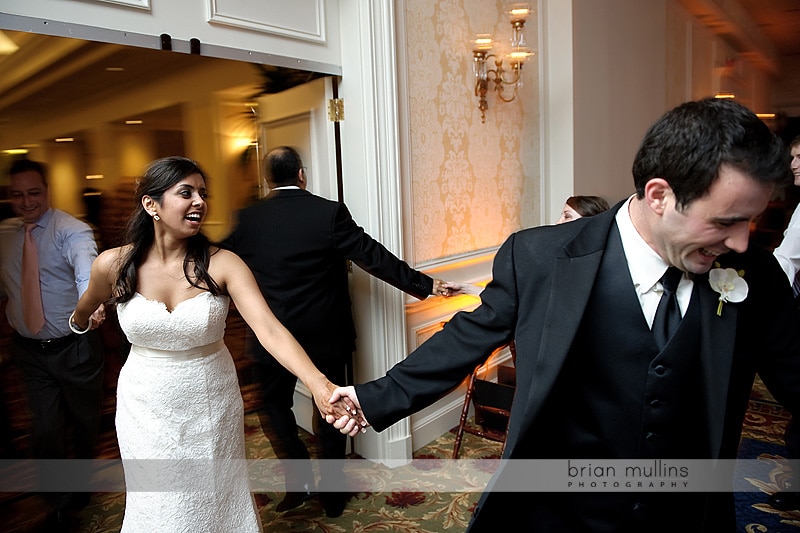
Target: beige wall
472, 184
633, 61
619, 70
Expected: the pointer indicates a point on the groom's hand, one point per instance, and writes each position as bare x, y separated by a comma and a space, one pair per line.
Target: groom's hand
350, 424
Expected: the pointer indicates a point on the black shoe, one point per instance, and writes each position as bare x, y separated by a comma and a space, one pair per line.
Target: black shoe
293, 499
334, 504
785, 500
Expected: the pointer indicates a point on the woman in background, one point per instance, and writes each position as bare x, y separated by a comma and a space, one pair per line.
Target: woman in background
581, 206
575, 207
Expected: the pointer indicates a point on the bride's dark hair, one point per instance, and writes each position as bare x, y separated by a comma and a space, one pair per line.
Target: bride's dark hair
161, 175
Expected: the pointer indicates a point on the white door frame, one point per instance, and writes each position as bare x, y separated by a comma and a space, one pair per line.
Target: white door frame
370, 140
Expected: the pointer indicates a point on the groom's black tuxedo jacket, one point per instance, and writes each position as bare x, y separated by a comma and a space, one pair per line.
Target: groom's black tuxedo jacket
297, 244
542, 281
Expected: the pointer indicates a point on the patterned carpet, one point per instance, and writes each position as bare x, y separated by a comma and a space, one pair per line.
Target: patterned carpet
393, 511
407, 510
762, 439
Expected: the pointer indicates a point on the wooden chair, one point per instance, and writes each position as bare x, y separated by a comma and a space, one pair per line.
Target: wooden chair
491, 402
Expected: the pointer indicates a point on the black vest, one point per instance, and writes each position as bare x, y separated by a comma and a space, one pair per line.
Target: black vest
616, 396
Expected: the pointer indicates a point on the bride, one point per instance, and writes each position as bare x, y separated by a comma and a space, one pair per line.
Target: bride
179, 416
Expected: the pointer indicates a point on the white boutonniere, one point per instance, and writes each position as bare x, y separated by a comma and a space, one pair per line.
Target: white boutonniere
730, 285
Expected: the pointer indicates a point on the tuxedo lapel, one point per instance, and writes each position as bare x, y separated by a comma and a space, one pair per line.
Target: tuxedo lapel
574, 274
716, 353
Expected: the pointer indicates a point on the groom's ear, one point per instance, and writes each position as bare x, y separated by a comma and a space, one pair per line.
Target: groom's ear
658, 194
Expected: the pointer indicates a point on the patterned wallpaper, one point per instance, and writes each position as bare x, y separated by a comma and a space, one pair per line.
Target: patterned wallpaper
472, 184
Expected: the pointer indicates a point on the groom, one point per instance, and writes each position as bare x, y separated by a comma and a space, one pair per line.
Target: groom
580, 300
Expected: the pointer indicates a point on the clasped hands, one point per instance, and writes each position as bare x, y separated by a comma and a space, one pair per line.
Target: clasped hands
339, 406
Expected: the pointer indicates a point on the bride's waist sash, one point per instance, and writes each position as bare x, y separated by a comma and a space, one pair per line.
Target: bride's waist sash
191, 353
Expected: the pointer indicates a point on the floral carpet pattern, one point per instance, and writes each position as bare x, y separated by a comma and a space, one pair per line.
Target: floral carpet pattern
421, 509
411, 511
415, 510
424, 511
762, 439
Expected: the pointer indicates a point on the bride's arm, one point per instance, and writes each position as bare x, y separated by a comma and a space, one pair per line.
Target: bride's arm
99, 290
233, 276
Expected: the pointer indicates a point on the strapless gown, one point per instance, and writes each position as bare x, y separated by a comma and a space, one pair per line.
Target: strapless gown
180, 421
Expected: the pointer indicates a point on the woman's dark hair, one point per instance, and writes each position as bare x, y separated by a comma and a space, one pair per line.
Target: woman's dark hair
161, 175
587, 206
688, 145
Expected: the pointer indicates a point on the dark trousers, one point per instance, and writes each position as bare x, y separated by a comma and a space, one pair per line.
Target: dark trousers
280, 426
64, 385
7, 448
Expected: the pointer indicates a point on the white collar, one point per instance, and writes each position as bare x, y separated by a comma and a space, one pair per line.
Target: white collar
645, 265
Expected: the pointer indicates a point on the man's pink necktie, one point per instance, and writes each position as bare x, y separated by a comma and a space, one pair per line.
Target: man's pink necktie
31, 290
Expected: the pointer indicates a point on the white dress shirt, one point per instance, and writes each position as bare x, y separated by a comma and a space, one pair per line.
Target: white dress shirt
788, 253
647, 267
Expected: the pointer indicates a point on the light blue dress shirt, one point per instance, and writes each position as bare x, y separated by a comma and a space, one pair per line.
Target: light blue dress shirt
66, 248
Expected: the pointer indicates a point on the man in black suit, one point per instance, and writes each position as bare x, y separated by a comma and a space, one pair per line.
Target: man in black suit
579, 299
298, 245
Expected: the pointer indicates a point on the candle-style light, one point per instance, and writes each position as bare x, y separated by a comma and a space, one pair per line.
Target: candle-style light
504, 77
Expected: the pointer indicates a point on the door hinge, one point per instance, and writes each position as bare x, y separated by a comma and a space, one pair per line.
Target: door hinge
336, 109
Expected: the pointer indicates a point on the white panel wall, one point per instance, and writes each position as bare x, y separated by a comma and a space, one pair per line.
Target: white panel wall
557, 101
302, 33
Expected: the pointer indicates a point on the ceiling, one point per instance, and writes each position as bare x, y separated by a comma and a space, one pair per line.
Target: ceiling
48, 74
48, 71
779, 21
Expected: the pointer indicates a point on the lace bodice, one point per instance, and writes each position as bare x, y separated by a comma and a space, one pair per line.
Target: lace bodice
195, 322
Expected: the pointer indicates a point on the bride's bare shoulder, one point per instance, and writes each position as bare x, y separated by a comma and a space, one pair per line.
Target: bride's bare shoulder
112, 257
222, 258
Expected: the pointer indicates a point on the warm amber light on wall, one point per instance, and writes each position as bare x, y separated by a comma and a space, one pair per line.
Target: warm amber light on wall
724, 95
765, 115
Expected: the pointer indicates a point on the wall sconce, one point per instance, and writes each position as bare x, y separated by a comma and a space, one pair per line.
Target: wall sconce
505, 77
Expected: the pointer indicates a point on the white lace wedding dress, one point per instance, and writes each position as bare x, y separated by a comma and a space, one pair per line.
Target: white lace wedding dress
180, 421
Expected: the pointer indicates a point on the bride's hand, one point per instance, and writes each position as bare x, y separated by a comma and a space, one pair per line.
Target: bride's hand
342, 408
349, 425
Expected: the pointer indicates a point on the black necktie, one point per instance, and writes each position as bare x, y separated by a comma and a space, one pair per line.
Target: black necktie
668, 314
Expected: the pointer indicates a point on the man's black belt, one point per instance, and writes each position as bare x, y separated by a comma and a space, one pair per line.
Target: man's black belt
45, 345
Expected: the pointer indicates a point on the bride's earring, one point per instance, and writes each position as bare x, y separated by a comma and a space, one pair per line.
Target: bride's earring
156, 217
